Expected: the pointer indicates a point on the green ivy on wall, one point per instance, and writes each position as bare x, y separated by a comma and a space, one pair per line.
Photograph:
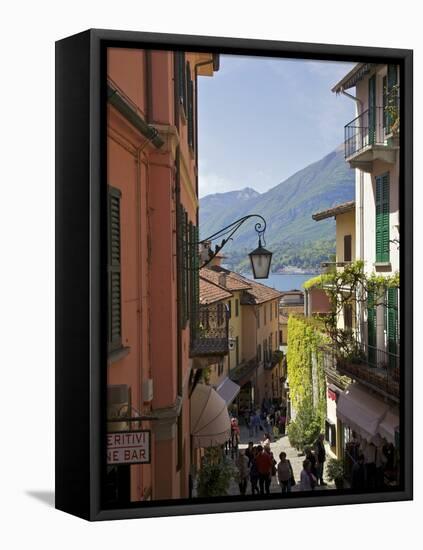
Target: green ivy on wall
306, 341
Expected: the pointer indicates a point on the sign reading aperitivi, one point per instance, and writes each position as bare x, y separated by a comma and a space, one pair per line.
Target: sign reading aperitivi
129, 447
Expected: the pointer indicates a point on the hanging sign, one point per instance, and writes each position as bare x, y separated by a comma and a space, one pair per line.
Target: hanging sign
129, 447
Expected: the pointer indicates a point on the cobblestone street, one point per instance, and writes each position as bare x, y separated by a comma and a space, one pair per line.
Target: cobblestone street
282, 444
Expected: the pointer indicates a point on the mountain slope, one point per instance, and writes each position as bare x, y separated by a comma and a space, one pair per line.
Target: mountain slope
287, 207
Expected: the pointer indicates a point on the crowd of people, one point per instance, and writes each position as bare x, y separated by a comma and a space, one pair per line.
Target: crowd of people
257, 467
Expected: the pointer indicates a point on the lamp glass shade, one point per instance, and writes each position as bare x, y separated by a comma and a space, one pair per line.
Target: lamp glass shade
260, 262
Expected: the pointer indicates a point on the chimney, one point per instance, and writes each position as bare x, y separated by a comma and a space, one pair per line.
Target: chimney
222, 279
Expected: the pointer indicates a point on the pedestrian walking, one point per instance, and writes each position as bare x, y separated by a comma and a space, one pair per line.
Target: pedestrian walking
254, 474
320, 454
282, 423
249, 453
251, 424
264, 463
256, 423
307, 480
285, 474
312, 458
358, 475
243, 472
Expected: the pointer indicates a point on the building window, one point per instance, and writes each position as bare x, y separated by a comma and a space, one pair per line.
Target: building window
229, 309
347, 248
182, 79
114, 270
264, 308
270, 343
276, 310
236, 308
258, 318
259, 352
280, 337
220, 317
382, 218
237, 350
348, 317
270, 312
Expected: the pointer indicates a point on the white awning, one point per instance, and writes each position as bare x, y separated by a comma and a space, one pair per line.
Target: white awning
210, 422
361, 411
389, 426
228, 390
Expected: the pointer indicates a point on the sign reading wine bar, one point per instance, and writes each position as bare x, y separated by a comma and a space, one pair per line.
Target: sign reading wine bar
129, 447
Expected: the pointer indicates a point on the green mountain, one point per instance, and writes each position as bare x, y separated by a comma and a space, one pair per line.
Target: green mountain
294, 237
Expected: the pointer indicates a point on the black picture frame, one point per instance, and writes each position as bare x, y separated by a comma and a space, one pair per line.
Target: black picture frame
81, 295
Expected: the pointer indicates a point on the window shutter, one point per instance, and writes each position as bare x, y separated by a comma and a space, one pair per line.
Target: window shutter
347, 248
371, 327
392, 329
190, 107
194, 287
182, 87
372, 110
114, 272
382, 218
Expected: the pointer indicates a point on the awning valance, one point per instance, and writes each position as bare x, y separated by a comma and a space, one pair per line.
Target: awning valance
228, 390
210, 422
361, 411
389, 425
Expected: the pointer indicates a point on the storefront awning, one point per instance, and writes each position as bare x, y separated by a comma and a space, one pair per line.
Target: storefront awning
210, 422
361, 411
228, 390
389, 425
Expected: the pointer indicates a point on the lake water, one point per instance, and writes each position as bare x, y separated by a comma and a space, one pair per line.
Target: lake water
286, 281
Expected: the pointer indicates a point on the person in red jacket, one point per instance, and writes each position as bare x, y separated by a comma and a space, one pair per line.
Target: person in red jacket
264, 464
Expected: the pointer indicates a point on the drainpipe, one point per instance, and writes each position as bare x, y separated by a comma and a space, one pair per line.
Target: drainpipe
196, 66
359, 104
360, 313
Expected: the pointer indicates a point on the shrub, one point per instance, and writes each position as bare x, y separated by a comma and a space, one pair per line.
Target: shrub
215, 474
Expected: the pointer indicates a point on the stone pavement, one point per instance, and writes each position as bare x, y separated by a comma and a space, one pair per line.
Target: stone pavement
282, 444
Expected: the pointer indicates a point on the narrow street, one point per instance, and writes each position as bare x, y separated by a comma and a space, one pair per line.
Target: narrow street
282, 444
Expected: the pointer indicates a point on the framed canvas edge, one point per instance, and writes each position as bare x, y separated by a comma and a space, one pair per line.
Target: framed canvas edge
99, 37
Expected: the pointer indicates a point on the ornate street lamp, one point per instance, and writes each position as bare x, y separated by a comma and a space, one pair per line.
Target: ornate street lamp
260, 257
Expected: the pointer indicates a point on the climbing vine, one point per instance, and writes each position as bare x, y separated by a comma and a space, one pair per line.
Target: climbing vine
350, 285
306, 341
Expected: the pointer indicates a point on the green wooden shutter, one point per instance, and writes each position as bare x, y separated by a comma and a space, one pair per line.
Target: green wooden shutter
183, 265
114, 270
194, 291
382, 218
190, 106
182, 85
392, 322
372, 110
371, 328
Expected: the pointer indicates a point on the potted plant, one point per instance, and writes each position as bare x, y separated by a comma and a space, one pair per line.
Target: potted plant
335, 472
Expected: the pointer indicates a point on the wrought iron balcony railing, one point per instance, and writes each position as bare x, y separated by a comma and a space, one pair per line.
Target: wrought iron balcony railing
375, 367
372, 127
209, 331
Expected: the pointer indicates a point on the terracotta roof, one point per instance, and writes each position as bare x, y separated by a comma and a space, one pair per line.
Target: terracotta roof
254, 293
354, 76
210, 293
213, 275
335, 211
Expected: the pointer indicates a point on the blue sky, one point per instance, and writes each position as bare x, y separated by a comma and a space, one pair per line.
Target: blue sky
262, 119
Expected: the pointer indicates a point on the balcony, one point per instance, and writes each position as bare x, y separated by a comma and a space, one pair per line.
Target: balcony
209, 333
273, 359
376, 368
373, 135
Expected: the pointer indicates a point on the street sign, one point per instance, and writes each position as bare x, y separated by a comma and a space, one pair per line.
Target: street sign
129, 447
